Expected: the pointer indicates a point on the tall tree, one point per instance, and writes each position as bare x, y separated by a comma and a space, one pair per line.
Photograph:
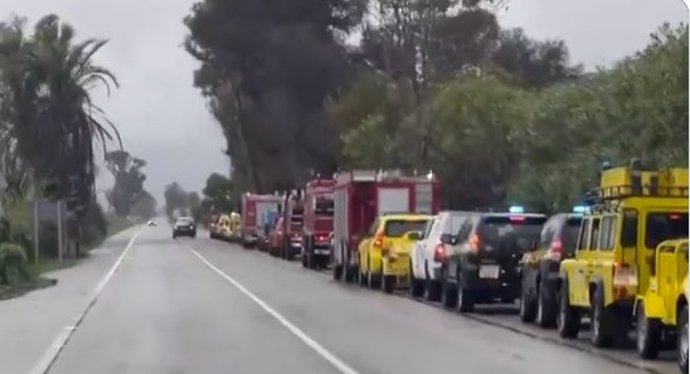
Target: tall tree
267, 68
175, 198
129, 180
53, 121
220, 193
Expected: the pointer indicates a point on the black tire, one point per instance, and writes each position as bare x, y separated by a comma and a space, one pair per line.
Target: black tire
416, 285
547, 308
648, 333
466, 300
682, 336
528, 306
434, 287
337, 272
450, 295
569, 319
388, 283
363, 279
603, 320
373, 280
304, 260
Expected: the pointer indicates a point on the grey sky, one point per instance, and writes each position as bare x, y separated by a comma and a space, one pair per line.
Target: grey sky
164, 120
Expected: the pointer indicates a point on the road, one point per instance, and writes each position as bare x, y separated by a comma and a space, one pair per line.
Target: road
203, 306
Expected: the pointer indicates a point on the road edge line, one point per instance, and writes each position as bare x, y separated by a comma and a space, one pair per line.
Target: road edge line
51, 354
306, 339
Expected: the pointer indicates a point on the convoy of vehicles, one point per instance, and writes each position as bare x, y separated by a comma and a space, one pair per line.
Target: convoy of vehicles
622, 261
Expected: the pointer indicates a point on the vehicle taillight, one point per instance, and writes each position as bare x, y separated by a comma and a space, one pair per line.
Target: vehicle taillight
440, 253
556, 250
378, 240
475, 242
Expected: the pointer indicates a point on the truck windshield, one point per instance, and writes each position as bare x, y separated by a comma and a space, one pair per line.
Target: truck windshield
495, 228
665, 226
323, 206
397, 228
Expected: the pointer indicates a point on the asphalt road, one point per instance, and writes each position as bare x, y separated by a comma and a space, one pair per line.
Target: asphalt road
203, 306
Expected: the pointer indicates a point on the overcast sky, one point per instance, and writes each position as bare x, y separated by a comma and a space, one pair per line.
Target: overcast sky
163, 119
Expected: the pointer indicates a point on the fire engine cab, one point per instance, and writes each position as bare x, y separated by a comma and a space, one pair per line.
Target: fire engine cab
362, 195
318, 223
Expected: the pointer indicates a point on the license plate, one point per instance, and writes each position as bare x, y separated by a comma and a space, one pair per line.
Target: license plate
321, 252
489, 271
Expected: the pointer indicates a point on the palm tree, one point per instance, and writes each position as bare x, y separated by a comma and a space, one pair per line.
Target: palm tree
54, 119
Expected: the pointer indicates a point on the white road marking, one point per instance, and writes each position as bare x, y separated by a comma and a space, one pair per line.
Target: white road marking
323, 352
63, 337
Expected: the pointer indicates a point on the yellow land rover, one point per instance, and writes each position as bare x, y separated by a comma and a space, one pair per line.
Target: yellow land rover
658, 311
384, 253
636, 208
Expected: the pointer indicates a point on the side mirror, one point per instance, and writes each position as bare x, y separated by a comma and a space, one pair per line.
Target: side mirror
414, 235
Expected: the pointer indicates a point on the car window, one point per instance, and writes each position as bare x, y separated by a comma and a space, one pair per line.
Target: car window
494, 228
184, 221
548, 231
454, 223
608, 233
593, 242
569, 231
465, 230
629, 229
323, 205
665, 226
396, 228
583, 240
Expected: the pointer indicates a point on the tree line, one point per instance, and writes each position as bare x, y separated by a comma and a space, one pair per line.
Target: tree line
431, 84
219, 196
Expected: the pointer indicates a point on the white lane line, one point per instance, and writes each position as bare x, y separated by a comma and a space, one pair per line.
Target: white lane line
60, 341
323, 352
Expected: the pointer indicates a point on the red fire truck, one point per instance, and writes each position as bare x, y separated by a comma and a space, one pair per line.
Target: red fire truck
255, 210
318, 223
360, 196
293, 225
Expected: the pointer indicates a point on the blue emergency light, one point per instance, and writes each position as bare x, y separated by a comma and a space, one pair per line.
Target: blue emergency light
516, 210
580, 209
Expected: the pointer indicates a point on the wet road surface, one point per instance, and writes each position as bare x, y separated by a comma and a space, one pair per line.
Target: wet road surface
203, 306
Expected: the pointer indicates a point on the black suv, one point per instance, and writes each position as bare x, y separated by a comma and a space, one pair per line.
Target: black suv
539, 269
482, 266
184, 226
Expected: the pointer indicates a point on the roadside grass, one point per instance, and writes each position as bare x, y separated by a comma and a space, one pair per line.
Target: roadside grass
36, 280
117, 224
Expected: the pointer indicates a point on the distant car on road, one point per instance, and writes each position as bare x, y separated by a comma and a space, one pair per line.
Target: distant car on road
184, 226
151, 223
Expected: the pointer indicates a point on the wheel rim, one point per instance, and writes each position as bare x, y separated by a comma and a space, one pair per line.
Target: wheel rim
595, 320
642, 329
561, 314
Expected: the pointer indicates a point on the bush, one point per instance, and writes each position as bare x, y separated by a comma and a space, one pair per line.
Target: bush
13, 264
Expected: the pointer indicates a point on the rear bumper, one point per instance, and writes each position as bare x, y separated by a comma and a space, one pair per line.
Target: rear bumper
507, 283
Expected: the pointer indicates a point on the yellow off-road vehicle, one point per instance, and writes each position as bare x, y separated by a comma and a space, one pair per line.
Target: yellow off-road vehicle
635, 210
384, 253
657, 311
